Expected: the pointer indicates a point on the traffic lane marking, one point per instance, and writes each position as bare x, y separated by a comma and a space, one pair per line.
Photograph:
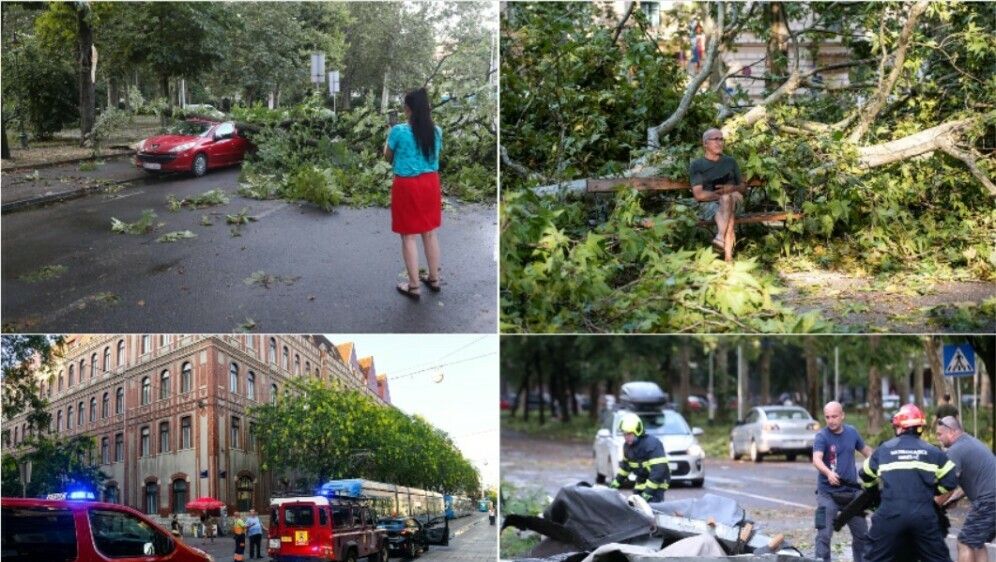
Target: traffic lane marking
757, 497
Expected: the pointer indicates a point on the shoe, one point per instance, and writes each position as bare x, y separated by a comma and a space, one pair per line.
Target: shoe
718, 245
409, 291
434, 285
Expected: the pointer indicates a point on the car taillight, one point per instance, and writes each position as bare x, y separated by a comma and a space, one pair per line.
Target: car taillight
771, 427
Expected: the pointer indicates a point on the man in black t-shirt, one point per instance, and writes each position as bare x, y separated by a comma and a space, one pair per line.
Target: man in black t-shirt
718, 185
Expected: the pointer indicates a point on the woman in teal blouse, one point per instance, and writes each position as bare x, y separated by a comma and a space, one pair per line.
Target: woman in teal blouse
416, 197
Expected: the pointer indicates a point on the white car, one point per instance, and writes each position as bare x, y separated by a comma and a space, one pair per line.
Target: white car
685, 456
767, 430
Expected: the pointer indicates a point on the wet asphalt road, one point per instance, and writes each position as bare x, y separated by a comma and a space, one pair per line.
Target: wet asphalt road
334, 272
777, 494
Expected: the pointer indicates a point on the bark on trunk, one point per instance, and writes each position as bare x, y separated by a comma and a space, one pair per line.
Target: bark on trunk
84, 35
874, 393
684, 373
812, 378
932, 345
766, 352
777, 50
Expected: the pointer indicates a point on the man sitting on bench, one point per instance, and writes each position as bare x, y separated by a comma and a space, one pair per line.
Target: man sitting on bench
719, 187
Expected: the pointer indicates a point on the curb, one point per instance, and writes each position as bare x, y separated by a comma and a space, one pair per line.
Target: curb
15, 168
30, 202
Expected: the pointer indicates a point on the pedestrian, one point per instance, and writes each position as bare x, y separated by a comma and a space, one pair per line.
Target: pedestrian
212, 528
204, 528
239, 533
416, 196
492, 514
718, 186
254, 529
912, 472
946, 408
643, 456
174, 527
833, 457
975, 467
237, 521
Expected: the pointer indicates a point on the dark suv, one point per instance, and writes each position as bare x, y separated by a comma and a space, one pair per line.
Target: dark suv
407, 536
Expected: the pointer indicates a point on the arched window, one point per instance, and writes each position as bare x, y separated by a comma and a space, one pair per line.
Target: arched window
146, 391
107, 359
93, 366
118, 447
164, 385
186, 378
16, 432
251, 385
233, 378
58, 422
121, 354
164, 437
244, 493
105, 405
105, 450
250, 341
179, 496
82, 370
152, 498
146, 344
79, 414
307, 367
143, 450
297, 364
93, 409
163, 340
119, 401
111, 494
273, 350
69, 418
273, 393
286, 357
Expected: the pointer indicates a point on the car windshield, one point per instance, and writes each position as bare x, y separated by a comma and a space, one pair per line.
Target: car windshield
299, 516
665, 423
787, 414
189, 128
391, 523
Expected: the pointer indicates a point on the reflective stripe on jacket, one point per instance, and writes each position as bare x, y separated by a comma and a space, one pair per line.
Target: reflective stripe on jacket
910, 470
645, 458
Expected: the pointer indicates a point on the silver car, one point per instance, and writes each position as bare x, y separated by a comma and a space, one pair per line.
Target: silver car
685, 456
773, 430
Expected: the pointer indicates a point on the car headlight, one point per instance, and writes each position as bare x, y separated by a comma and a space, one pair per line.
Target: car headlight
695, 451
182, 147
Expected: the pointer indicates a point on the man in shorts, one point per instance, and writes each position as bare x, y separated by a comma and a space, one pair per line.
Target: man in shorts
976, 469
719, 186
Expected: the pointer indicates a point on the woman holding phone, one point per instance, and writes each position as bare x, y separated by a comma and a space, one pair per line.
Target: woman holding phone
416, 197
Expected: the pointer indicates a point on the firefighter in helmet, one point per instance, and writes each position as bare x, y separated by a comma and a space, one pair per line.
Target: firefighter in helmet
911, 472
643, 455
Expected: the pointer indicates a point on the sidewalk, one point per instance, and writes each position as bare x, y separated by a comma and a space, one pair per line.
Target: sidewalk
471, 540
24, 188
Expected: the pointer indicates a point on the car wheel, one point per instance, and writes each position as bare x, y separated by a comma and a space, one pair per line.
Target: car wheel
351, 556
734, 456
755, 455
200, 165
412, 551
380, 556
790, 457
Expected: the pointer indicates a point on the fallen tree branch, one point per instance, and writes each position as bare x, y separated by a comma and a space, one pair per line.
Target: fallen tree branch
969, 160
622, 22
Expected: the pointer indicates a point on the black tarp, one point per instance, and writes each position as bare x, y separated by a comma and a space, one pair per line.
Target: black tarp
720, 509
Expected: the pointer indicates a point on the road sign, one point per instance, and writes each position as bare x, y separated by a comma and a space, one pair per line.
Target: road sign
334, 82
959, 360
318, 68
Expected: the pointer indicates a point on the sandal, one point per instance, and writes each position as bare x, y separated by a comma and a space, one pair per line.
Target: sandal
407, 290
434, 285
718, 245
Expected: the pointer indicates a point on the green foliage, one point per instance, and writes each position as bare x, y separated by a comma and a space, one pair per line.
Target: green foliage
176, 236
107, 122
57, 464
266, 280
315, 185
39, 91
526, 500
45, 273
357, 438
144, 225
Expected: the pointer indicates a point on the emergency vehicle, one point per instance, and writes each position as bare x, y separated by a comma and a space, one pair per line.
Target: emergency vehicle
71, 530
325, 529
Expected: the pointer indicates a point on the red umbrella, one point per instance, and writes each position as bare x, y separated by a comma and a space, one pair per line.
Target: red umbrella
205, 503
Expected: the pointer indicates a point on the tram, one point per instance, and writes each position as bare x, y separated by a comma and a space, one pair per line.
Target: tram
390, 499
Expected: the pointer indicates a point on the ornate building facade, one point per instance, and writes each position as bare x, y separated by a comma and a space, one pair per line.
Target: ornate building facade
170, 412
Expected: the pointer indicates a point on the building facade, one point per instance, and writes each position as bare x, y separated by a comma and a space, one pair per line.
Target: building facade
169, 412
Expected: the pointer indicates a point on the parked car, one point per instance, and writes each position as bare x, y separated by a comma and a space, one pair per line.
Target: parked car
195, 146
685, 456
698, 404
320, 529
407, 536
36, 530
773, 430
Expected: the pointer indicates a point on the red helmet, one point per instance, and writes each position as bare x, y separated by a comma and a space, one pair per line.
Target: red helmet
908, 416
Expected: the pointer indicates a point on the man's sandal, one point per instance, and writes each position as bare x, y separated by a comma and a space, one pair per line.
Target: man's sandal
407, 290
434, 285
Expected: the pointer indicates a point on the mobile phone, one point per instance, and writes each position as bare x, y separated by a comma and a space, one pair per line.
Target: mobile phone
392, 118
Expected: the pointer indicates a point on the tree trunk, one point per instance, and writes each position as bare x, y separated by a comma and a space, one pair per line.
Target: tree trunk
931, 345
5, 149
918, 375
684, 373
874, 392
812, 377
766, 351
777, 50
721, 376
84, 34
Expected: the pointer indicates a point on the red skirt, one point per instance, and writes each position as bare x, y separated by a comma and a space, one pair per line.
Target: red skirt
416, 204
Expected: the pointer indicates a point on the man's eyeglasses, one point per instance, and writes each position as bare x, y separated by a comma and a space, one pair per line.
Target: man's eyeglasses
720, 139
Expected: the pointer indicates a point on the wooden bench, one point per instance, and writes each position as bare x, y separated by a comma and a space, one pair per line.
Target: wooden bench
668, 184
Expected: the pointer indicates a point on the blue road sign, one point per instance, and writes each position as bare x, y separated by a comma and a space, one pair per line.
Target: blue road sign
959, 360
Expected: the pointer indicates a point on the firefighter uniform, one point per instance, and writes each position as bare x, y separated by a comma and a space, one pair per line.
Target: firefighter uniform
646, 459
911, 472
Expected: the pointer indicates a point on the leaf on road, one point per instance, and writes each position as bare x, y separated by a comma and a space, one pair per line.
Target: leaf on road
208, 199
143, 225
240, 218
44, 273
174, 236
246, 326
206, 221
106, 298
266, 280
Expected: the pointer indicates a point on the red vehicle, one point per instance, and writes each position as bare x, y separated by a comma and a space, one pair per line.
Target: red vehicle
194, 146
321, 529
37, 530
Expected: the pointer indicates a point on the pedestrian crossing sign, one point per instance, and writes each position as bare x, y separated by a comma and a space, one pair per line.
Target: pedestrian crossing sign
959, 360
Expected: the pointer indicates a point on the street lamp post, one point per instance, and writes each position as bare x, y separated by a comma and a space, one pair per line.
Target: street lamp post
23, 137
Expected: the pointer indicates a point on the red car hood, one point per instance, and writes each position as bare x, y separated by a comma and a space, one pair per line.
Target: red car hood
163, 143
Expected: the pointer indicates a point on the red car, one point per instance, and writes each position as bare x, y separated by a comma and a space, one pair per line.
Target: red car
195, 146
